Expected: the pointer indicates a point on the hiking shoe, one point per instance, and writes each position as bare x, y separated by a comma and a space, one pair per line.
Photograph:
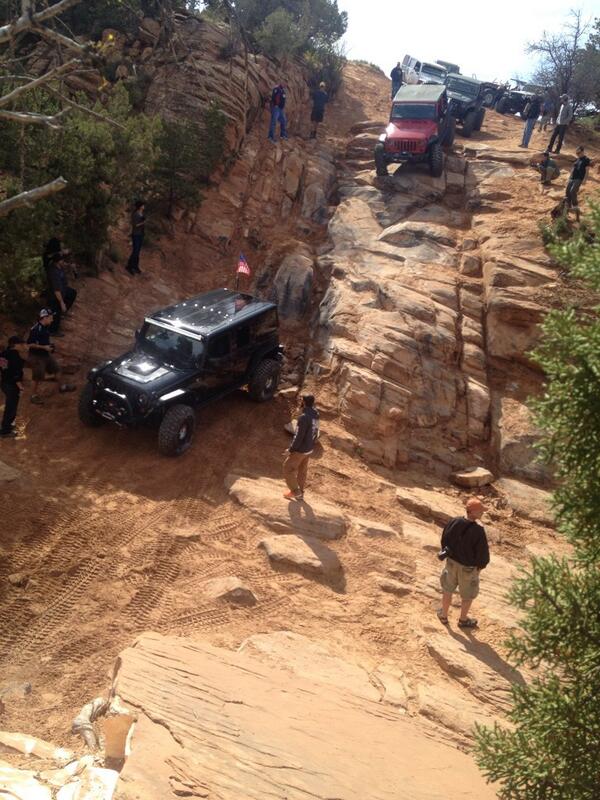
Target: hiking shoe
467, 623
37, 400
66, 387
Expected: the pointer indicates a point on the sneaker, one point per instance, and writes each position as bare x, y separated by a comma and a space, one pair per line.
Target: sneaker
293, 495
467, 623
66, 387
8, 434
37, 400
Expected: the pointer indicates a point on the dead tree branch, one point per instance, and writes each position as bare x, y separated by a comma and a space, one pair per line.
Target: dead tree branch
29, 198
32, 118
33, 83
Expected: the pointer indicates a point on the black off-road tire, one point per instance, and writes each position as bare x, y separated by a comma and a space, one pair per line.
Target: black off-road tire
436, 160
380, 165
87, 415
176, 430
488, 98
469, 124
479, 117
502, 105
265, 380
448, 140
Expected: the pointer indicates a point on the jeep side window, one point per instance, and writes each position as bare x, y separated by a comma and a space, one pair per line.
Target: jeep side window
242, 337
219, 346
266, 324
417, 66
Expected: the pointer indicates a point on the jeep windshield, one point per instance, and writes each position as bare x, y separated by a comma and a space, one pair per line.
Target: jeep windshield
170, 346
413, 111
431, 71
465, 88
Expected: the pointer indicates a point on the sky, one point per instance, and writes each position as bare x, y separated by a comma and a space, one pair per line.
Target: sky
487, 40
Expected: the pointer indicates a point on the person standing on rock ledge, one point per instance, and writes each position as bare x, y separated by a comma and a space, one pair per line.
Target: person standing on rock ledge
465, 549
320, 99
295, 466
278, 99
138, 224
396, 76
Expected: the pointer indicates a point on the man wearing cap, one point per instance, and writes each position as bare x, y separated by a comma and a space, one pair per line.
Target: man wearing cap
320, 98
295, 466
41, 358
563, 120
12, 361
466, 552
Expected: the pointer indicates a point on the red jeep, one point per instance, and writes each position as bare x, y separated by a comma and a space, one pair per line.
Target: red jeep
420, 126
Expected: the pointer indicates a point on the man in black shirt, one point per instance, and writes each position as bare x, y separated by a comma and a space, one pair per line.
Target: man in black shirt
12, 361
41, 358
396, 76
465, 544
531, 113
578, 176
138, 224
61, 296
320, 98
295, 466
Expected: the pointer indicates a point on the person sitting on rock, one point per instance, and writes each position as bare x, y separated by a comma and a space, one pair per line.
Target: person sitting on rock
278, 98
548, 168
466, 552
295, 466
41, 355
320, 99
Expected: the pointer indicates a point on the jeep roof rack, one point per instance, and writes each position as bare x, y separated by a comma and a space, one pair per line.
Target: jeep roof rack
211, 312
420, 93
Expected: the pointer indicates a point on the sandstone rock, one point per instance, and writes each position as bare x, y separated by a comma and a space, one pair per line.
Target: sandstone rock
527, 501
455, 714
149, 30
292, 287
392, 586
368, 527
221, 720
304, 553
514, 437
264, 497
473, 477
429, 505
8, 474
470, 265
314, 203
409, 233
231, 589
19, 579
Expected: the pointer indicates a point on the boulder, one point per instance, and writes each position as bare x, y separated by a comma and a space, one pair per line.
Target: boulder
429, 505
473, 477
312, 516
314, 203
292, 287
230, 589
222, 720
368, 527
8, 474
304, 553
392, 586
527, 501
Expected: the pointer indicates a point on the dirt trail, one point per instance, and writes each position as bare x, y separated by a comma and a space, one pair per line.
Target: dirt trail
113, 540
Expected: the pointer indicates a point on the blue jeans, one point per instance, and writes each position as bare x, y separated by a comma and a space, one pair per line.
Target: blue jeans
527, 131
137, 239
277, 115
395, 87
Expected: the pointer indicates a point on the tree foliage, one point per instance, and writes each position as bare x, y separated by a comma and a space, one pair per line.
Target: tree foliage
553, 750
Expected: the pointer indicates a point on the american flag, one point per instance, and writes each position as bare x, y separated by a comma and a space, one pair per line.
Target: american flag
243, 268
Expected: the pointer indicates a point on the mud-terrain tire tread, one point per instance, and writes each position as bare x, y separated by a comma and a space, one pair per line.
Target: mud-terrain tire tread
380, 165
502, 105
479, 118
448, 140
87, 415
469, 124
169, 442
268, 368
436, 160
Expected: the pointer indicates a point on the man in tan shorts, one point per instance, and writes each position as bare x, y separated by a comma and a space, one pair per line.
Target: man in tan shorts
466, 552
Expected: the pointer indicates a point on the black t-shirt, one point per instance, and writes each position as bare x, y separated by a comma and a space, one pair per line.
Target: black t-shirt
138, 222
39, 334
57, 280
396, 75
52, 248
467, 542
580, 167
12, 373
320, 99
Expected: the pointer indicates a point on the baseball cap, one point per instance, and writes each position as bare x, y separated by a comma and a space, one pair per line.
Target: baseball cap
46, 312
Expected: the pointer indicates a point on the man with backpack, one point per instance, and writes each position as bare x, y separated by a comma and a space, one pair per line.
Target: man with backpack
465, 552
278, 99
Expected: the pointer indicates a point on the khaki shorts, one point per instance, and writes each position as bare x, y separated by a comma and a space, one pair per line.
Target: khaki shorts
465, 578
42, 366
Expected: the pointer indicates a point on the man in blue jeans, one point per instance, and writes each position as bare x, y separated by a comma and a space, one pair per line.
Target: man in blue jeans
530, 115
138, 223
277, 113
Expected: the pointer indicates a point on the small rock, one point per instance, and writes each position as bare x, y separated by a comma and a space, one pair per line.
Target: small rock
20, 690
393, 587
7, 473
370, 528
230, 589
470, 265
290, 393
303, 552
473, 477
469, 244
18, 579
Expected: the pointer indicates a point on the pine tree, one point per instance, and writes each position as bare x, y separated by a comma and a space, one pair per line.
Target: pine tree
552, 750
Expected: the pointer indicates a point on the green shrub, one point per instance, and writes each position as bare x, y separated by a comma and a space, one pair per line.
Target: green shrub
279, 35
326, 64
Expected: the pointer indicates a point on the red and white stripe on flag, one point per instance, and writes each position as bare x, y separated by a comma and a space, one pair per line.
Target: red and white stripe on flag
243, 267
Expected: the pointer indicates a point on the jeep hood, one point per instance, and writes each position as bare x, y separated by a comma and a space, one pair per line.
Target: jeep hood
462, 98
411, 129
140, 369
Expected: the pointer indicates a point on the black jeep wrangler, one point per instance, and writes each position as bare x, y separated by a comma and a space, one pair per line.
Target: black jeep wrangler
515, 98
185, 357
466, 102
